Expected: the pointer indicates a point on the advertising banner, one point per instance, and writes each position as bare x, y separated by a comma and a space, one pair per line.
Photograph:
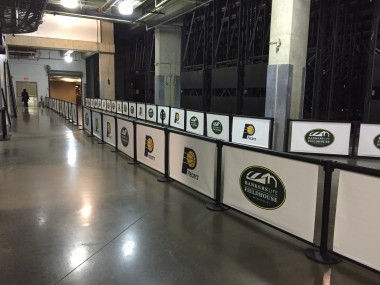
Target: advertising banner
125, 108
163, 114
104, 104
125, 136
119, 107
151, 147
369, 140
66, 110
251, 131
113, 106
320, 137
109, 131
218, 126
74, 114
279, 191
141, 111
132, 109
192, 162
151, 113
96, 103
87, 120
177, 118
109, 106
195, 122
92, 102
97, 125
357, 231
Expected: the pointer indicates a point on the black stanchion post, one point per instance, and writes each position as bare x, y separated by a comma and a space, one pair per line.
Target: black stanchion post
322, 255
134, 161
166, 177
5, 136
217, 205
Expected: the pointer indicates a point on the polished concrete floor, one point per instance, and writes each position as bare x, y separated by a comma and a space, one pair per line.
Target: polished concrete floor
73, 212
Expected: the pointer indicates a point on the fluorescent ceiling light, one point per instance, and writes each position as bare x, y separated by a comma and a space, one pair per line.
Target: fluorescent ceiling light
71, 4
126, 8
68, 58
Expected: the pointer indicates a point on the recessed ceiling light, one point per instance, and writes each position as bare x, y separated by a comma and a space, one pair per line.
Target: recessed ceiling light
71, 4
68, 58
126, 8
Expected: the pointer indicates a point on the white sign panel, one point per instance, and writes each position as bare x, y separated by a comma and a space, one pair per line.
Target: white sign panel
132, 109
357, 231
177, 118
251, 131
218, 126
99, 103
279, 191
195, 122
92, 102
87, 120
320, 137
97, 125
125, 108
119, 107
141, 111
369, 140
151, 113
151, 147
96, 103
192, 162
163, 114
109, 106
104, 104
109, 130
113, 106
125, 136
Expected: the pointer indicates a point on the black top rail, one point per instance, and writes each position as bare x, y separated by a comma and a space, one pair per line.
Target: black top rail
357, 169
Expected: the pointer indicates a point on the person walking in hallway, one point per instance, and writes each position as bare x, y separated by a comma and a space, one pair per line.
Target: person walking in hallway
25, 97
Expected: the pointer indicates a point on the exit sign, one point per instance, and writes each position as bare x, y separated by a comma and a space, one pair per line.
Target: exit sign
26, 78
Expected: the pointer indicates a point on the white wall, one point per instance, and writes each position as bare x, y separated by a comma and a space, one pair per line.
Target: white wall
35, 70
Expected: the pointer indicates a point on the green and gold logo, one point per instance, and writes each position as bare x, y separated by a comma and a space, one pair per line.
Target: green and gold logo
194, 123
150, 113
124, 136
132, 110
217, 127
249, 131
262, 187
176, 118
189, 163
319, 138
376, 141
149, 147
125, 108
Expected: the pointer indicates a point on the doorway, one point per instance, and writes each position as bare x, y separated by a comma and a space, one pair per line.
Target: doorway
31, 88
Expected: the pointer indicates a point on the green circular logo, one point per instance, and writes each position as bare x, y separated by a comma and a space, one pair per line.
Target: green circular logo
319, 138
194, 123
262, 187
132, 110
217, 127
125, 108
376, 141
113, 106
150, 113
124, 136
87, 119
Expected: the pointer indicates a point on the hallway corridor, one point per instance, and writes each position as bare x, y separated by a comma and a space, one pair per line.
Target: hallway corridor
73, 212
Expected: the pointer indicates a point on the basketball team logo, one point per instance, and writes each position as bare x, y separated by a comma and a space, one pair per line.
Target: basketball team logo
249, 131
217, 127
189, 163
376, 141
149, 147
262, 187
109, 130
140, 111
124, 136
125, 108
319, 138
176, 118
194, 123
104, 105
113, 106
150, 113
87, 119
119, 107
132, 110
108, 105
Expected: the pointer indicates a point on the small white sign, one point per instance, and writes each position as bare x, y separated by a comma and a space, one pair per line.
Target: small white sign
195, 122
99, 103
218, 126
119, 107
132, 109
92, 102
251, 131
109, 130
369, 140
104, 104
109, 106
113, 106
125, 108
177, 118
163, 114
151, 113
141, 111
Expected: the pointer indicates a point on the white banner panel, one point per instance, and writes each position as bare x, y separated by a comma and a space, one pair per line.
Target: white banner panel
132, 109
97, 125
251, 131
177, 118
74, 114
109, 130
119, 107
320, 137
92, 102
163, 113
151, 147
125, 108
369, 140
96, 106
113, 106
192, 162
109, 106
195, 122
218, 126
70, 111
279, 191
141, 111
151, 113
104, 104
87, 120
125, 136
66, 110
357, 231
99, 103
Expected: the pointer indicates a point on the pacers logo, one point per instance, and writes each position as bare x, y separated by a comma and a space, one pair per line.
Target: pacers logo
132, 109
87, 119
319, 138
189, 163
140, 111
249, 131
125, 108
376, 141
124, 136
176, 118
149, 147
109, 129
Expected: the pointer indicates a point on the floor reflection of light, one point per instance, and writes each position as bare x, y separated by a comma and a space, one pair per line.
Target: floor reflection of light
77, 256
41, 219
128, 248
71, 157
85, 213
327, 277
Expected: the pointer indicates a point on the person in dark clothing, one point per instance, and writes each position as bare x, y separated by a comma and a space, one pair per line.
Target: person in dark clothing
25, 97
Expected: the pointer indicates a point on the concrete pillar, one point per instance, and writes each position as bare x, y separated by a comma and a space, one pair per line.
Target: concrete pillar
107, 63
167, 81
287, 64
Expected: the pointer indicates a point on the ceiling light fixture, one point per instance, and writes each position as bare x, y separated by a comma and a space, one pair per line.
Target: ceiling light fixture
68, 58
71, 4
126, 8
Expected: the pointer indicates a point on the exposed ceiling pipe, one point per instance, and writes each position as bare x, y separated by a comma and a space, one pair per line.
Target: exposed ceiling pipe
106, 6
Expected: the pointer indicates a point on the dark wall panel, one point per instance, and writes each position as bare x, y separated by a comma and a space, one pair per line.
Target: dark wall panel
254, 106
192, 79
225, 105
224, 77
191, 102
255, 75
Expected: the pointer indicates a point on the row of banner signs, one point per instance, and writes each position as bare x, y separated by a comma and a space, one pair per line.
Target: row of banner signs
67, 109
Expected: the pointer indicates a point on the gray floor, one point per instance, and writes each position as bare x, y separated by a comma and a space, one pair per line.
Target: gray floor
72, 212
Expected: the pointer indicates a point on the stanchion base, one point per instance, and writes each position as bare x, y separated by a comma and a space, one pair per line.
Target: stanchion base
101, 143
164, 179
115, 150
133, 162
90, 136
216, 207
314, 254
6, 138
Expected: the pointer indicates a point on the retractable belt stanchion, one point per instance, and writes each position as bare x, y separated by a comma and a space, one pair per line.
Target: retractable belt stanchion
134, 161
166, 177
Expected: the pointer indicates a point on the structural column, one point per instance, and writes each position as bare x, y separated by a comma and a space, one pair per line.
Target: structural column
167, 81
287, 64
107, 62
